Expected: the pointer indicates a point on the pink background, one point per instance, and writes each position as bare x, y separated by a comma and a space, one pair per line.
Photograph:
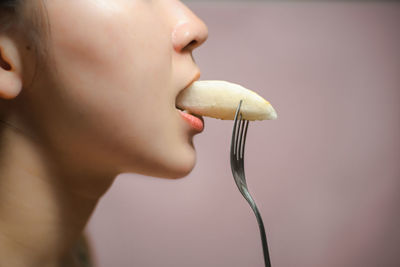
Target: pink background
325, 175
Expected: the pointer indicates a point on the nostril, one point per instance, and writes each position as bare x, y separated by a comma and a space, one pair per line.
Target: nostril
190, 46
188, 35
193, 42
4, 64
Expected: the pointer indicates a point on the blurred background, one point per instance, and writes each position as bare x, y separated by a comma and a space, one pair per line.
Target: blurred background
325, 175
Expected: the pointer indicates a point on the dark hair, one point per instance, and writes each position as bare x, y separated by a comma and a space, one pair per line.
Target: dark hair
8, 10
31, 19
8, 3
30, 16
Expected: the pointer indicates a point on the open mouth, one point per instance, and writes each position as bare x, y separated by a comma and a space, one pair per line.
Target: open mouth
196, 122
186, 111
180, 109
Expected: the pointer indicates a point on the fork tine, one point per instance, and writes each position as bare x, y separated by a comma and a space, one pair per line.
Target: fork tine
235, 130
246, 125
239, 137
238, 109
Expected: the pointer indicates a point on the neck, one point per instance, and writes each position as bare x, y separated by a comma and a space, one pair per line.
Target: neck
44, 202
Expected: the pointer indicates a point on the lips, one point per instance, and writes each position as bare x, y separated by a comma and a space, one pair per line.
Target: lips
196, 122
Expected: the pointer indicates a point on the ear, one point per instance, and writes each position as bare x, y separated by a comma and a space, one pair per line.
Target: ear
10, 68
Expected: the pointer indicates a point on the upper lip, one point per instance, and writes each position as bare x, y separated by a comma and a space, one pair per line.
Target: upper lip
195, 78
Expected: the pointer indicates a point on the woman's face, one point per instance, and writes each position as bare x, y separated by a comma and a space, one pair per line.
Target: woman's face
107, 101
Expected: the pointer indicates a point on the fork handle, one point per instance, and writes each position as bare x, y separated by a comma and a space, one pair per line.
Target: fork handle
263, 236
253, 205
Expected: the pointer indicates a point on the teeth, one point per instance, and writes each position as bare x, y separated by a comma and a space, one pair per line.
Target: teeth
183, 110
186, 111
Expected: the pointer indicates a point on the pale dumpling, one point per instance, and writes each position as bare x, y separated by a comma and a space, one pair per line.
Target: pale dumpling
220, 99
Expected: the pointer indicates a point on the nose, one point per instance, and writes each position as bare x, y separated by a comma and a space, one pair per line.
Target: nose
189, 31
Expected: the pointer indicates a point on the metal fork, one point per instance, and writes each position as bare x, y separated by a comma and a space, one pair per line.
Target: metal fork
237, 165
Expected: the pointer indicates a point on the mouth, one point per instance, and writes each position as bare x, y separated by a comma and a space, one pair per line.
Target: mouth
195, 78
195, 121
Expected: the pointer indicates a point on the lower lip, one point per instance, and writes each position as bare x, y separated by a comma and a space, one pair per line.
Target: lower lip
195, 123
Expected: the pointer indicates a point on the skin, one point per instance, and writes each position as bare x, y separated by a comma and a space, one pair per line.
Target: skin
104, 104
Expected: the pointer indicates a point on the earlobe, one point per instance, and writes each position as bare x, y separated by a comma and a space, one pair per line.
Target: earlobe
10, 69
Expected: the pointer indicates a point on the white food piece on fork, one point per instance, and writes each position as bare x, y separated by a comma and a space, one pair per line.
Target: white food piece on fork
220, 99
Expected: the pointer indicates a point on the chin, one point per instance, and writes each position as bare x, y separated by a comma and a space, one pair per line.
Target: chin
179, 166
172, 166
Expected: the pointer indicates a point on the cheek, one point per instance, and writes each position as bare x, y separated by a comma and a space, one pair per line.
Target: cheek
112, 61
116, 90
